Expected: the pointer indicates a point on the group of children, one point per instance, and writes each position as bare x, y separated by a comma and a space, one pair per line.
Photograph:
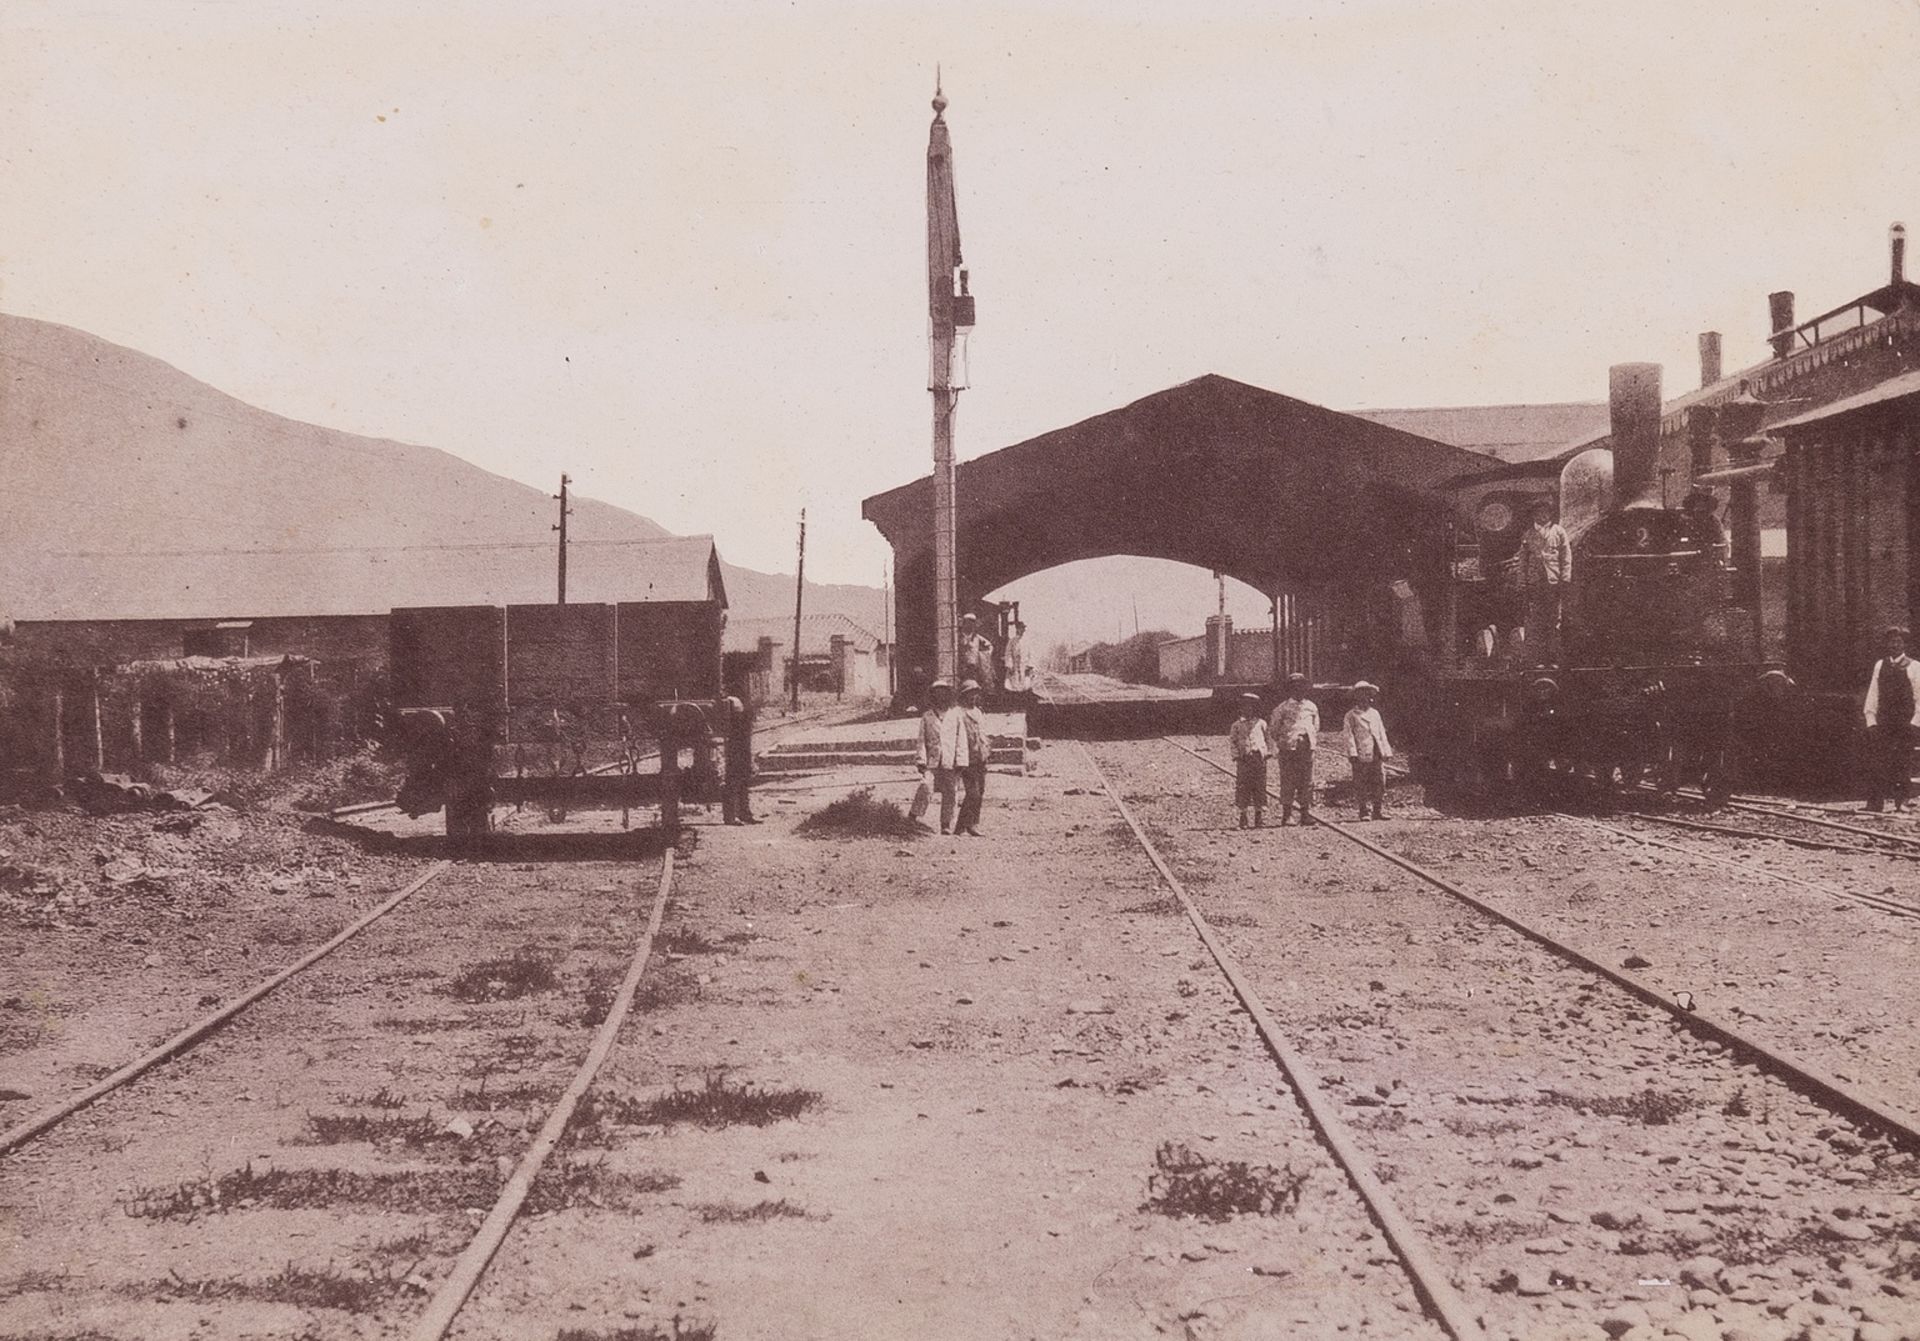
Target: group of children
1289, 735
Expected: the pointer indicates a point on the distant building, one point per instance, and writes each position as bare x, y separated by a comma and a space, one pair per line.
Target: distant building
128, 658
837, 654
1508, 433
328, 605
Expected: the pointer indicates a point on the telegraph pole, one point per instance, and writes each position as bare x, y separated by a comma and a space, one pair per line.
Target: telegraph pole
561, 527
799, 589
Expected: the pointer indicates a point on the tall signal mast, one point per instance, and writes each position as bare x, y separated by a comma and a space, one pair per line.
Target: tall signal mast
949, 316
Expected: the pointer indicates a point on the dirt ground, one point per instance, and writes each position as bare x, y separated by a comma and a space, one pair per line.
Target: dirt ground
886, 1086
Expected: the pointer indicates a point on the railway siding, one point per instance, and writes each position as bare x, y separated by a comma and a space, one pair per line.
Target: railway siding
1576, 1156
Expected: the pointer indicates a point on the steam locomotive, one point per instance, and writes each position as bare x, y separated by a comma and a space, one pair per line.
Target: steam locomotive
1658, 671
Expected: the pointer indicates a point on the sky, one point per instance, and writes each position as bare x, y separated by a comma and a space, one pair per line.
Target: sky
677, 250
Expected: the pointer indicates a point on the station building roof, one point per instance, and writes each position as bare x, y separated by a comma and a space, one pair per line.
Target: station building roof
816, 632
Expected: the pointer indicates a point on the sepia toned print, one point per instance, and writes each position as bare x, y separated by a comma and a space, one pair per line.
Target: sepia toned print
679, 672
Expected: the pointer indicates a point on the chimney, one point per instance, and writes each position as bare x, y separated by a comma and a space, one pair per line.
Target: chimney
1709, 357
1897, 246
1780, 308
1633, 408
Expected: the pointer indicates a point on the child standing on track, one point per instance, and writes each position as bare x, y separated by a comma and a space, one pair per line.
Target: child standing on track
1367, 750
1250, 746
1293, 728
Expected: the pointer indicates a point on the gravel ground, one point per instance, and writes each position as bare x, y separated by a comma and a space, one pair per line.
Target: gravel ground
1003, 1036
1585, 1166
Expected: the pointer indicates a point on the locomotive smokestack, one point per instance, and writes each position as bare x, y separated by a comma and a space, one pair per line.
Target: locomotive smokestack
1633, 407
1780, 308
1897, 247
1709, 357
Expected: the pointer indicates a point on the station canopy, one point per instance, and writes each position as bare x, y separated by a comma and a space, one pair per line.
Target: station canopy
1214, 472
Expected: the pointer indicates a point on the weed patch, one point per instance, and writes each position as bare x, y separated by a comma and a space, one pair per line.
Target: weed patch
1154, 907
1655, 1108
860, 815
525, 972
384, 1097
685, 941
299, 1286
437, 1024
718, 1103
338, 1128
313, 1189
596, 1003
721, 1213
575, 1183
1190, 1184
682, 1331
483, 1100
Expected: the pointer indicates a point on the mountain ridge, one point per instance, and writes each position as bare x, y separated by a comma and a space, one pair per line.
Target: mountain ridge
104, 447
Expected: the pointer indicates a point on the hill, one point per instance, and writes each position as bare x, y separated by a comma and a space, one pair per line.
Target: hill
106, 448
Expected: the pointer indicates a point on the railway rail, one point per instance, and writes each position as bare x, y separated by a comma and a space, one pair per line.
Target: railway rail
1430, 1280
1832, 1094
479, 1252
45, 1121
1842, 1097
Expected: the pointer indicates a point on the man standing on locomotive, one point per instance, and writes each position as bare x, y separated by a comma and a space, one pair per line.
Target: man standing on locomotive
1892, 719
1546, 568
976, 652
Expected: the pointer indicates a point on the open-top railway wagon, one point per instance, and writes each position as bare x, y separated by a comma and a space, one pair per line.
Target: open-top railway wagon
559, 705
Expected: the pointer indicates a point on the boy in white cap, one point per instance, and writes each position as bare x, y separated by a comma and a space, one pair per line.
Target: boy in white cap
1248, 742
1367, 750
1294, 727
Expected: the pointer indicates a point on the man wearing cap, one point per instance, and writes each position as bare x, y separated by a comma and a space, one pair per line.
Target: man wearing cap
973, 774
1367, 749
1892, 713
1546, 572
1247, 742
942, 746
1293, 728
976, 651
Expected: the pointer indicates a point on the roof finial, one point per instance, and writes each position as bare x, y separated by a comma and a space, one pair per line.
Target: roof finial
939, 98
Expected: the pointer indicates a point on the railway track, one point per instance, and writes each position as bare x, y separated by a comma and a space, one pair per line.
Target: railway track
1430, 1281
506, 1204
46, 1120
1829, 1096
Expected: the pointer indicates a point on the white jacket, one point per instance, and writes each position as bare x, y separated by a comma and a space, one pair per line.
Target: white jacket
1366, 734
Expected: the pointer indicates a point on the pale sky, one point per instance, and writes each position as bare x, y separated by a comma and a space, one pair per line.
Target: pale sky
678, 249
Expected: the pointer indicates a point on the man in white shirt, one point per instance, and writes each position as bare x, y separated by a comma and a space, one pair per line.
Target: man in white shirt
1546, 571
1367, 750
1891, 714
1293, 728
973, 774
942, 746
976, 652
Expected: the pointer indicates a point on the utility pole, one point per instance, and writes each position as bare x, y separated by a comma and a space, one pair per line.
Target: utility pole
799, 588
886, 622
561, 527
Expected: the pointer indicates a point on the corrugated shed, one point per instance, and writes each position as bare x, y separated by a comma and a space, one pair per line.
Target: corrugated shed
214, 584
